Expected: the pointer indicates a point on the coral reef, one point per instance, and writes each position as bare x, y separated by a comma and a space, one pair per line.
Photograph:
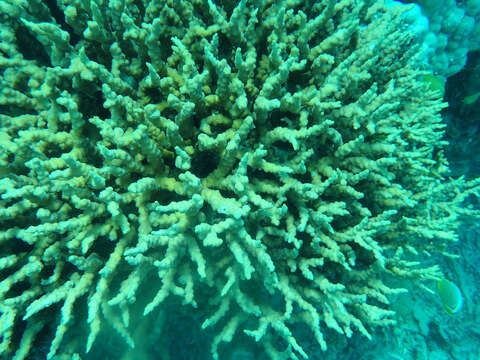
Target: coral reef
272, 166
451, 31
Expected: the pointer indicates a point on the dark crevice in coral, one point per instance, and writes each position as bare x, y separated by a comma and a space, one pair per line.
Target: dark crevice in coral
204, 163
169, 113
94, 157
218, 128
164, 197
53, 150
90, 104
334, 272
226, 48
30, 47
196, 120
111, 181
47, 271
299, 79
103, 247
17, 289
128, 50
203, 15
13, 110
364, 258
279, 118
325, 148
7, 272
353, 44
134, 177
43, 341
59, 17
169, 162
96, 52
305, 178
306, 239
283, 147
262, 49
141, 12
227, 194
21, 82
258, 174
25, 219
294, 200
165, 48
153, 95
129, 208
14, 245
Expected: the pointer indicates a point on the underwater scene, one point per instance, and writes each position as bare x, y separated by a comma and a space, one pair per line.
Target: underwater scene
239, 180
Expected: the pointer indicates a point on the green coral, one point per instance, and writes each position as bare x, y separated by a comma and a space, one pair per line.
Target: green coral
270, 164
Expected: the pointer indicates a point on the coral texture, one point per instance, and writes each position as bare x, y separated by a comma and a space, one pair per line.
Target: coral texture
271, 166
452, 31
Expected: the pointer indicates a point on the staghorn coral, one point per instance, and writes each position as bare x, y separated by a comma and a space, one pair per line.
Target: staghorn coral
270, 164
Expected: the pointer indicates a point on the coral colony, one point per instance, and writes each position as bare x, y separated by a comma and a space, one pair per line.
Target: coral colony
273, 169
